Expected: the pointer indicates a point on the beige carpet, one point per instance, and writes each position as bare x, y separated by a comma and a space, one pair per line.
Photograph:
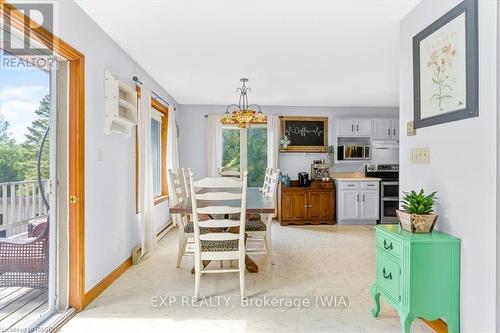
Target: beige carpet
314, 266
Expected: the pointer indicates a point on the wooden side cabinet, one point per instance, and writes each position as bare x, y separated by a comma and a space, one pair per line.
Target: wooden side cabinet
307, 205
418, 274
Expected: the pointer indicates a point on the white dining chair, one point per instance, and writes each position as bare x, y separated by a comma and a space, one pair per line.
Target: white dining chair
229, 173
259, 229
185, 181
265, 184
185, 228
217, 244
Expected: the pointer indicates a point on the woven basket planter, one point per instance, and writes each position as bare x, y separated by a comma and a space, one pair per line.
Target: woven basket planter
416, 223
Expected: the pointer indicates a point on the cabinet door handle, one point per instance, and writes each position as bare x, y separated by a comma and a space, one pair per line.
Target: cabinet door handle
357, 128
352, 128
394, 132
310, 206
386, 276
387, 247
357, 197
305, 206
388, 131
363, 198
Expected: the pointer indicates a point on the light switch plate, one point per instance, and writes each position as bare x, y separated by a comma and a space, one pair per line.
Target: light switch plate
420, 155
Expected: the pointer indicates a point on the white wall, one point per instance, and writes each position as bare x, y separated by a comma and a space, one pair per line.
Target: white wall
192, 133
462, 167
111, 228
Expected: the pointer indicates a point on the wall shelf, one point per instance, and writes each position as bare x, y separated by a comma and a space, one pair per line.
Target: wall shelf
120, 112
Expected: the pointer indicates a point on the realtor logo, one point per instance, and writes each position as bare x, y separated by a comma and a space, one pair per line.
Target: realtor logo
42, 15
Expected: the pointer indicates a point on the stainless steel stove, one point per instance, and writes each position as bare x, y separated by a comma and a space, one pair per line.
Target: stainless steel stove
389, 189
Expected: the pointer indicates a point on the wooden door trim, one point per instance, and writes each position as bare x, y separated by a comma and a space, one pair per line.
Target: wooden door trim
76, 149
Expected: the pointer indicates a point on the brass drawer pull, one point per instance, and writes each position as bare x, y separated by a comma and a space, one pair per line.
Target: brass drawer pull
387, 247
386, 276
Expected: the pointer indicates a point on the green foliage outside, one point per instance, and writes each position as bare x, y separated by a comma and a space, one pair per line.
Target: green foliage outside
18, 160
256, 153
231, 150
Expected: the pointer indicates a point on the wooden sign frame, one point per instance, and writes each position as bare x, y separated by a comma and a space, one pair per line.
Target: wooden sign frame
304, 149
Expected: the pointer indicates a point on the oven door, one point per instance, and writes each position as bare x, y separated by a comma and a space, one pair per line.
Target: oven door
389, 201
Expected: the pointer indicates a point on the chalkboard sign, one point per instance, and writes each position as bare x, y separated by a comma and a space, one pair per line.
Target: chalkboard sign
306, 134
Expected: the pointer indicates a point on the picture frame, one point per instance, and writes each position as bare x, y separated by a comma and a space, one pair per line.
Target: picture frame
306, 134
445, 68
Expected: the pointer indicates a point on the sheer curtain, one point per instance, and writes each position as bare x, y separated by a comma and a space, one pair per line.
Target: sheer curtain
172, 152
146, 216
172, 145
273, 141
213, 145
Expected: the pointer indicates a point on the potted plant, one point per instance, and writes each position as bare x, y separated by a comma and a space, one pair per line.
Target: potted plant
417, 215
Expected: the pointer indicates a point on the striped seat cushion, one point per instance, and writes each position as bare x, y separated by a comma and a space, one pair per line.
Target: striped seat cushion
219, 246
255, 225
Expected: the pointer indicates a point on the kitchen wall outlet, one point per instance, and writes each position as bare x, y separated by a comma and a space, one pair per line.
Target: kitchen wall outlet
420, 155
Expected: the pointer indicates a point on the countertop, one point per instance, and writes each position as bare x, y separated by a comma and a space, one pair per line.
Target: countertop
356, 176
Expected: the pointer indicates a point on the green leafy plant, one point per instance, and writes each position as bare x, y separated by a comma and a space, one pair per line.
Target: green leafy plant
418, 203
329, 149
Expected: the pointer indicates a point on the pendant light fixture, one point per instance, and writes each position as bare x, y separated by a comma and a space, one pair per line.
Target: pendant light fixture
243, 114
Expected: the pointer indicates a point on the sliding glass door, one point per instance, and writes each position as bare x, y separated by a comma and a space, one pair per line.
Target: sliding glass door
246, 148
28, 186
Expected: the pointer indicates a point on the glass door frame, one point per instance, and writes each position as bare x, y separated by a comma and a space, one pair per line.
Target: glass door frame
76, 147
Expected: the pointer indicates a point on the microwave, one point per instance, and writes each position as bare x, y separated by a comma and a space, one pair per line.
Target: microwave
351, 152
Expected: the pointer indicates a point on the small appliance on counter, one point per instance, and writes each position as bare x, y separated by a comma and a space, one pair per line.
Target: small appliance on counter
320, 170
304, 180
389, 189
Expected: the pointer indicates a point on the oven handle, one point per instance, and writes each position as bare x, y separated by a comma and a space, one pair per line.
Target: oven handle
389, 183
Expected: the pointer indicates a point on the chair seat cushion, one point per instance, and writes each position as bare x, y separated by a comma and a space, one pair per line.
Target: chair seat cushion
254, 225
219, 246
189, 229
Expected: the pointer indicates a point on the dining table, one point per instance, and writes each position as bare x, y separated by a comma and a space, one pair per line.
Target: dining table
256, 204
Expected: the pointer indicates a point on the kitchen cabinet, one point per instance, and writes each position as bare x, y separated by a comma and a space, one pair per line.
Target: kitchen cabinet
354, 127
307, 205
369, 205
385, 129
417, 274
357, 201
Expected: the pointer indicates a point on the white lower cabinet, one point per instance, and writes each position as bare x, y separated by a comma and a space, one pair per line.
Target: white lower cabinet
357, 201
350, 204
369, 205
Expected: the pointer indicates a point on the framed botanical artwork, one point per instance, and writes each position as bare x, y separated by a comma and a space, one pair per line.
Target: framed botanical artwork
445, 68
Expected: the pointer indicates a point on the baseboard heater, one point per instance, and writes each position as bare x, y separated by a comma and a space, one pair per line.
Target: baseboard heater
136, 251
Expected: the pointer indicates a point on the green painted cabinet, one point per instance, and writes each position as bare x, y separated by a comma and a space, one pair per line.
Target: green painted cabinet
418, 274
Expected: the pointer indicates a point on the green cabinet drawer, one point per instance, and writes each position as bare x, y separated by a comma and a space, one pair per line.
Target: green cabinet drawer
389, 245
418, 274
388, 272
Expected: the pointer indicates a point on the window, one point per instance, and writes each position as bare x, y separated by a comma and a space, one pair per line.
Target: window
246, 148
159, 118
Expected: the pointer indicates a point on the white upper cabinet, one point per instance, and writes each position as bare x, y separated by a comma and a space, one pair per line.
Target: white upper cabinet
395, 129
354, 127
363, 127
345, 127
385, 129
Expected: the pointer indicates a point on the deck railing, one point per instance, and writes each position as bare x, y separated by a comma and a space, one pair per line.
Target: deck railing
21, 202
